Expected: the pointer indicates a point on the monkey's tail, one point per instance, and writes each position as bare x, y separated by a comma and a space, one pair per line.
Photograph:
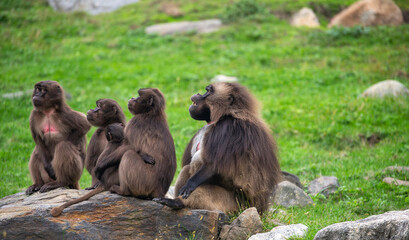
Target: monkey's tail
56, 211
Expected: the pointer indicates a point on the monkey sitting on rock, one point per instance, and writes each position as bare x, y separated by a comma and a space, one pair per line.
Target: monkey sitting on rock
60, 137
114, 134
236, 165
106, 112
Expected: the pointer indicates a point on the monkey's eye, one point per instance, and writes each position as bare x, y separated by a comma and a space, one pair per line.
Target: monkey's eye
209, 88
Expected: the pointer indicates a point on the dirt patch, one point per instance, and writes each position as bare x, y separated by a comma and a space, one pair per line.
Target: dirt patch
328, 10
371, 140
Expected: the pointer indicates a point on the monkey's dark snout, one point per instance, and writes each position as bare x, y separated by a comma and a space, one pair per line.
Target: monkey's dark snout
37, 101
195, 98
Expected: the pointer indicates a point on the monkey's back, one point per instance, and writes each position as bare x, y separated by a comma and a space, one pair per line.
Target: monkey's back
243, 153
150, 135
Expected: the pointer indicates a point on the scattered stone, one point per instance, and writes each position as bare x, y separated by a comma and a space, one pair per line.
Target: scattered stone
104, 216
171, 192
283, 233
26, 93
305, 18
386, 88
204, 26
287, 195
92, 7
395, 181
324, 185
396, 169
292, 179
245, 225
18, 94
390, 225
369, 13
224, 78
171, 9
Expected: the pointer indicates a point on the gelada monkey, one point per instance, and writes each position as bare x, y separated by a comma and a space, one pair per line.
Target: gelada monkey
107, 111
59, 135
148, 164
114, 134
236, 163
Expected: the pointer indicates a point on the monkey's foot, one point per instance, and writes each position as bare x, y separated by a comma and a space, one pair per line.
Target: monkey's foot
172, 203
93, 186
32, 189
117, 189
50, 186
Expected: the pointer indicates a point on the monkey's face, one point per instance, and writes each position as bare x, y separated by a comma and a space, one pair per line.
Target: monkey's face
149, 100
105, 112
47, 94
199, 110
115, 132
225, 98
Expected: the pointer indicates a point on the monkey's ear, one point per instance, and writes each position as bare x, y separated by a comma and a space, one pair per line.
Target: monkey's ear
231, 99
150, 101
123, 125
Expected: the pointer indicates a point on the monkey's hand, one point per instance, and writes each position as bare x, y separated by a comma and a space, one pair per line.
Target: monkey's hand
186, 190
32, 189
148, 159
172, 203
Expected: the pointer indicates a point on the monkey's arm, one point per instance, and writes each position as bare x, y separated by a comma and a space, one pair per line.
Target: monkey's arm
77, 124
111, 159
203, 175
187, 155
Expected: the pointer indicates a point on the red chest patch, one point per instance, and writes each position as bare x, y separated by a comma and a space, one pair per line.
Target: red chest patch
49, 128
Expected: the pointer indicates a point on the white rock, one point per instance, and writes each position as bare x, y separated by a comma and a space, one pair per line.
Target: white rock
325, 185
17, 94
288, 194
390, 225
305, 18
395, 181
92, 7
386, 88
204, 26
369, 13
224, 78
283, 233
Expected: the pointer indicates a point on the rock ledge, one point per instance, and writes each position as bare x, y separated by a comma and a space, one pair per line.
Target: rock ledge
104, 216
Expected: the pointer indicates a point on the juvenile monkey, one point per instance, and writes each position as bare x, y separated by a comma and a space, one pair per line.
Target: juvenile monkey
114, 134
60, 137
107, 111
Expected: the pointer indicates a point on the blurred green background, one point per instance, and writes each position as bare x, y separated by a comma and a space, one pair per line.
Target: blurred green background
308, 81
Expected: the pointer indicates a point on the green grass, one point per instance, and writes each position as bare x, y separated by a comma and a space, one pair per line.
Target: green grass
308, 81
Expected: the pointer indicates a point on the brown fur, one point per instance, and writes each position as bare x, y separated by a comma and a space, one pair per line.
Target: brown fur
148, 163
107, 111
114, 136
59, 135
238, 155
